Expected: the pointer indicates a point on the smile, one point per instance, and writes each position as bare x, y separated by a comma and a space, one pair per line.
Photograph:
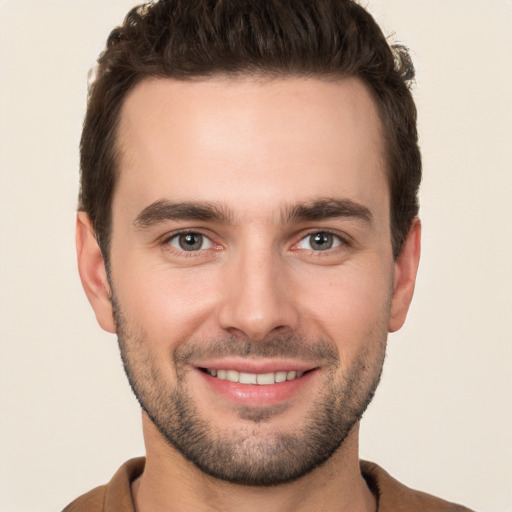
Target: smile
261, 379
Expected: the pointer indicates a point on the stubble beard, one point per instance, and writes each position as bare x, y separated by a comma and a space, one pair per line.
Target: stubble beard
243, 455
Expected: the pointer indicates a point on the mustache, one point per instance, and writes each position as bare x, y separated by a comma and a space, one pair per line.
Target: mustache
289, 346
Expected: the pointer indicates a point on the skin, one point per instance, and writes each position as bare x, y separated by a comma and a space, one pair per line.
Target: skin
254, 149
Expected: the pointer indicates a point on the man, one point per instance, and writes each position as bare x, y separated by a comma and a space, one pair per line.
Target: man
248, 228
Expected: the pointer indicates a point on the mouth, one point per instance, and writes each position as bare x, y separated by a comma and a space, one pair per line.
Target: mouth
257, 383
259, 379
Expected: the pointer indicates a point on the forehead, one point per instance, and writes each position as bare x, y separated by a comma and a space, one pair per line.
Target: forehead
249, 142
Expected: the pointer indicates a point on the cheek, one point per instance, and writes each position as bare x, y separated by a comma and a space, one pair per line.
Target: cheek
344, 304
350, 304
166, 304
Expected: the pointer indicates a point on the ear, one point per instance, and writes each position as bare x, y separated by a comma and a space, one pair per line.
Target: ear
93, 275
406, 267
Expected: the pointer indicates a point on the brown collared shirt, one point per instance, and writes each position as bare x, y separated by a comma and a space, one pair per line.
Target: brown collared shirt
392, 496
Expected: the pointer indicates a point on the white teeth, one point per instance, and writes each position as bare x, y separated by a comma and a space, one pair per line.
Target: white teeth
232, 375
248, 378
280, 376
263, 379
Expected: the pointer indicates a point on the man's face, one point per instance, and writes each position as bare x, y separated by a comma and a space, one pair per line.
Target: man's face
251, 242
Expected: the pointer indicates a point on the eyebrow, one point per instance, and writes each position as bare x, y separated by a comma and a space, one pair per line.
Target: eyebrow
320, 209
163, 210
328, 208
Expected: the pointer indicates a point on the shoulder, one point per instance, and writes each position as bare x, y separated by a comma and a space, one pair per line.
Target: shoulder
394, 496
93, 501
114, 496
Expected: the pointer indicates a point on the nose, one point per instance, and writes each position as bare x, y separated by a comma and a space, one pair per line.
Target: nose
258, 296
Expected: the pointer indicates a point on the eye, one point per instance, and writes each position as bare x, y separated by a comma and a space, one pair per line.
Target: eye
320, 241
190, 242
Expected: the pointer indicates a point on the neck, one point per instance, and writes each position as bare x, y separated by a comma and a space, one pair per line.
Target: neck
171, 483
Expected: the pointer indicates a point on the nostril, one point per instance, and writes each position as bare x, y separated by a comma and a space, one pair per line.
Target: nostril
254, 316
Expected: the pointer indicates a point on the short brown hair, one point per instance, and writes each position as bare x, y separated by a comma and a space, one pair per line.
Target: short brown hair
186, 39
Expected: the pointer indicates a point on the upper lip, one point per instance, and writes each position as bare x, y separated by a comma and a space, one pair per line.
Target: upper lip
257, 366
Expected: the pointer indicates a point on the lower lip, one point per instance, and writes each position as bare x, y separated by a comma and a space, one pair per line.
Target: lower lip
253, 395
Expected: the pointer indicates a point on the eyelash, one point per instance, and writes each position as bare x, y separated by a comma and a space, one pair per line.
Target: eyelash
340, 241
166, 243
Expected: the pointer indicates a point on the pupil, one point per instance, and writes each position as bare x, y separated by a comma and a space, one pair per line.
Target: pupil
322, 241
191, 242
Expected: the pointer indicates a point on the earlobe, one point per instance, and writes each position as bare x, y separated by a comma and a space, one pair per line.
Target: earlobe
93, 275
406, 267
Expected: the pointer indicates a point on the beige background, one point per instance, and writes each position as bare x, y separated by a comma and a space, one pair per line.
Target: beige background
442, 419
